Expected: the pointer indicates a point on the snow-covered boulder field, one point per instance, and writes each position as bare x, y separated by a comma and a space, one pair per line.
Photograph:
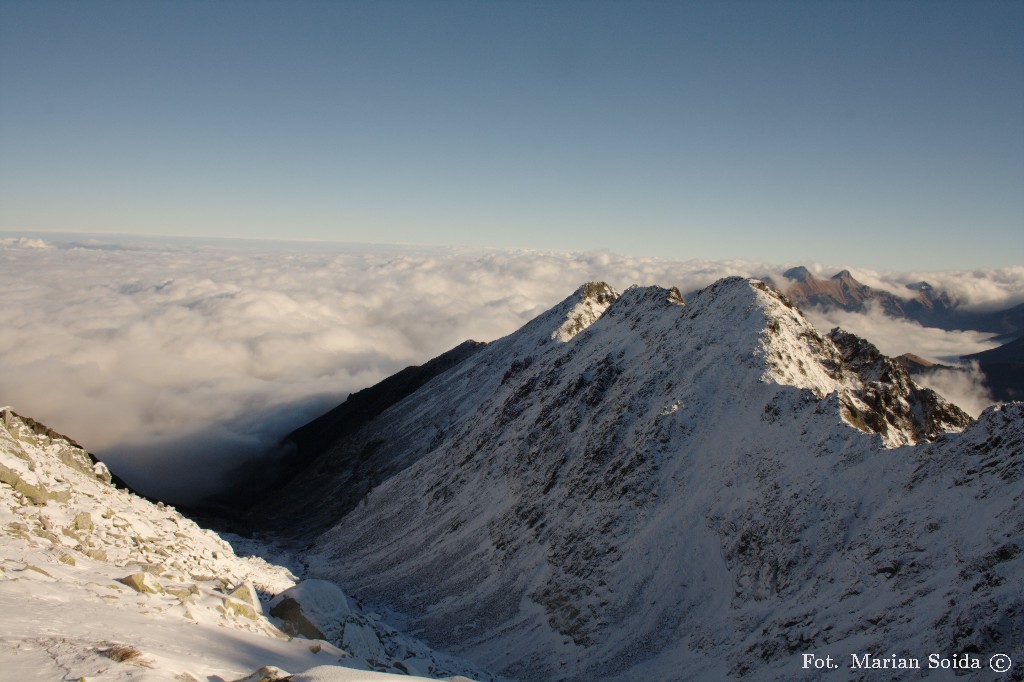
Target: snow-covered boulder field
97, 583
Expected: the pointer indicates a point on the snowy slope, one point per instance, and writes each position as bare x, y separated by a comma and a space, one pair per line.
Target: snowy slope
660, 490
97, 583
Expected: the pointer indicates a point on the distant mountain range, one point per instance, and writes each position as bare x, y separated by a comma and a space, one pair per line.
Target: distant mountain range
923, 303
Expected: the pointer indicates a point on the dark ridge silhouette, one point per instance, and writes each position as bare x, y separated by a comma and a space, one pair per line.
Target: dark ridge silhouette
251, 487
1003, 368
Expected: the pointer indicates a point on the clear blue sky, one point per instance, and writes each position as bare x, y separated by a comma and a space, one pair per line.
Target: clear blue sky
888, 134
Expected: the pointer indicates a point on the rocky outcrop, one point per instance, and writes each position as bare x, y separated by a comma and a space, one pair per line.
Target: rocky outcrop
141, 582
887, 401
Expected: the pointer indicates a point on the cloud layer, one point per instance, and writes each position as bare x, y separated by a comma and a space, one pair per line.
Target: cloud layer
895, 336
174, 361
964, 386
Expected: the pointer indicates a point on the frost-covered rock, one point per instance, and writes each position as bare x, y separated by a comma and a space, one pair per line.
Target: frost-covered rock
314, 608
887, 401
141, 582
246, 593
592, 299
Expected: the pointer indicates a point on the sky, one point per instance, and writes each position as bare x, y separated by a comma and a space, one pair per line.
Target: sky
888, 135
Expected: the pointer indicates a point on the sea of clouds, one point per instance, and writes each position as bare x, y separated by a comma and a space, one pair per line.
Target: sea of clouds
176, 360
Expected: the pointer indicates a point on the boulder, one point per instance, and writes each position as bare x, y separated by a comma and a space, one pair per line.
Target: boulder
141, 582
245, 592
83, 521
241, 608
293, 621
100, 471
184, 591
268, 673
316, 609
35, 494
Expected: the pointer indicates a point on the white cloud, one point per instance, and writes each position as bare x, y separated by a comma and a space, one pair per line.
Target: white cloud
896, 336
22, 243
988, 289
171, 357
963, 386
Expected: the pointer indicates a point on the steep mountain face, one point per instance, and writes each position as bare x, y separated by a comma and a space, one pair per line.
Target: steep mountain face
634, 487
98, 583
342, 461
922, 303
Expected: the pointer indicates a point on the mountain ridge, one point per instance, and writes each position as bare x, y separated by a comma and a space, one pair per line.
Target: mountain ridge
358, 453
540, 484
1003, 368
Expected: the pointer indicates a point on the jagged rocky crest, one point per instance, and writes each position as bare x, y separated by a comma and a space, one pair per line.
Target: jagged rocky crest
636, 485
888, 402
587, 304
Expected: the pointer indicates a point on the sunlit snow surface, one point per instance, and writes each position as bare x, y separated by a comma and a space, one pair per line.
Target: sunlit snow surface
67, 537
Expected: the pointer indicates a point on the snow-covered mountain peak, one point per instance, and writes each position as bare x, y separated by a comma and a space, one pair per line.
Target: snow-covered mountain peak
655, 297
795, 353
668, 487
647, 348
875, 393
581, 309
745, 323
642, 306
